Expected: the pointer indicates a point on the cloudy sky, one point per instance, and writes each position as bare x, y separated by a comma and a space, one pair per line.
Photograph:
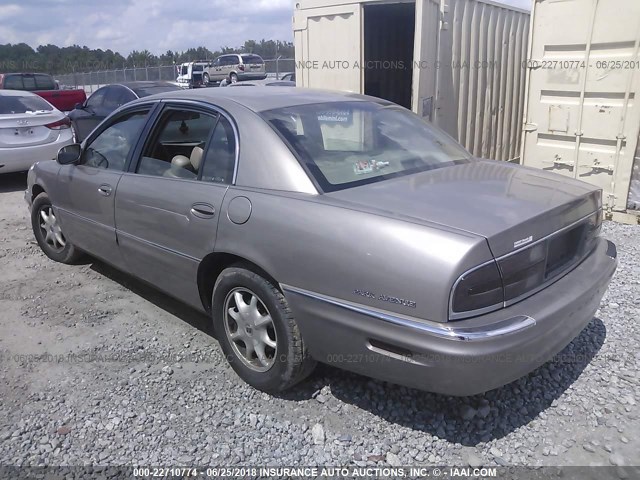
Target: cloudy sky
155, 25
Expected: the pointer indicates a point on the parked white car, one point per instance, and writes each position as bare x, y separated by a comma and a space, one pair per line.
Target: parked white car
31, 129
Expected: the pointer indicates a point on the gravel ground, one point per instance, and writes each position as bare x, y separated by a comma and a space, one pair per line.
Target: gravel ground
96, 368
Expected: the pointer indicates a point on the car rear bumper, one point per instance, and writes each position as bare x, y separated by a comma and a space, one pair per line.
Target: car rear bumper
252, 76
462, 357
19, 159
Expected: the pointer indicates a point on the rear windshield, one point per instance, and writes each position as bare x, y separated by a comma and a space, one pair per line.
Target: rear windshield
146, 91
255, 59
347, 144
11, 104
29, 82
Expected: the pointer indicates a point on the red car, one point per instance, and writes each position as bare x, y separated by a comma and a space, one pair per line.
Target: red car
44, 86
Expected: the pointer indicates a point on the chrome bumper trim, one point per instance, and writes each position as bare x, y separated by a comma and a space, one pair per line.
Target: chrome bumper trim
504, 327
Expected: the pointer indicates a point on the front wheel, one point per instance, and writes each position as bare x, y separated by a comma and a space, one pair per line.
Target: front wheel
48, 232
205, 79
257, 331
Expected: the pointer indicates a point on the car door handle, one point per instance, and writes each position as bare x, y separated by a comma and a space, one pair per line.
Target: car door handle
203, 210
105, 190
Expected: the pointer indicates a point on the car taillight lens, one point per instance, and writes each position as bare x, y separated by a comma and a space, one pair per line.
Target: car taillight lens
60, 124
523, 271
241, 68
517, 275
478, 290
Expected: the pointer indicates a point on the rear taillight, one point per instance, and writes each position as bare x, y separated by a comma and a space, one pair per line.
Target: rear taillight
517, 275
477, 291
523, 271
241, 68
60, 124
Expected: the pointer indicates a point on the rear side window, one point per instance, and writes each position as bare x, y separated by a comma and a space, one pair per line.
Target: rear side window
10, 105
178, 143
220, 159
95, 100
254, 59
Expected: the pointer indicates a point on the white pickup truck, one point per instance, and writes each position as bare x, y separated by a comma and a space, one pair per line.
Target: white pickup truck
191, 74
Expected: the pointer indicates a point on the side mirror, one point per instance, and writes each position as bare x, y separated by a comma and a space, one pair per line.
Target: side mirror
69, 155
78, 106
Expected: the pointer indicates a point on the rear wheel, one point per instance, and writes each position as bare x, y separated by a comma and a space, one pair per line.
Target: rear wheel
48, 232
257, 331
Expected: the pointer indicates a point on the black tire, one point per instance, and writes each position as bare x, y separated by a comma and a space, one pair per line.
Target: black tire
205, 79
291, 360
233, 78
66, 253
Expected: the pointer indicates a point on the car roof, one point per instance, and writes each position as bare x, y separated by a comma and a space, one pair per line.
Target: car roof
145, 84
263, 83
261, 99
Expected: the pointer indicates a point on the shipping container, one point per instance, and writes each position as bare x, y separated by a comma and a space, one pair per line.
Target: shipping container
457, 63
582, 117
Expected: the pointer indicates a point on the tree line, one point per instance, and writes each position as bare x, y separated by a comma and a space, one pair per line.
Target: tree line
52, 59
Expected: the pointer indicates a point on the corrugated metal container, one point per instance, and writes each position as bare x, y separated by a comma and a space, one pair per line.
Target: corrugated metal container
456, 62
582, 113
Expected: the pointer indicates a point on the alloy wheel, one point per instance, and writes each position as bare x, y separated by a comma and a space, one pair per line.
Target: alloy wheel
250, 329
50, 228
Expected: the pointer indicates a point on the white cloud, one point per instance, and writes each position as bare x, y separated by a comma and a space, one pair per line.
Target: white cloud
8, 11
154, 25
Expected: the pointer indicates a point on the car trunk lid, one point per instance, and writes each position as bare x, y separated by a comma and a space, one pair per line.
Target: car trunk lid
28, 129
509, 205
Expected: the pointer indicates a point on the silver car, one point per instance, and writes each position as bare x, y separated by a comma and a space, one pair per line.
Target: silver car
318, 226
236, 67
31, 129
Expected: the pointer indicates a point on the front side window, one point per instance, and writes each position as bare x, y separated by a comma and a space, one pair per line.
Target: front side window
347, 144
177, 145
95, 100
110, 149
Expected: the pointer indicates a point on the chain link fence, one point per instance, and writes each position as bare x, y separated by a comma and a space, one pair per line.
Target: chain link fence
91, 81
